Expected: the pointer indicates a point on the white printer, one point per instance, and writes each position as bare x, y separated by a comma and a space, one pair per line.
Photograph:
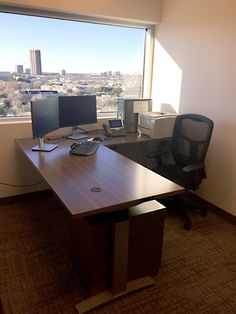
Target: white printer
157, 125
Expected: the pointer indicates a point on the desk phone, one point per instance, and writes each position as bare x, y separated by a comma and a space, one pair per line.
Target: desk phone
114, 128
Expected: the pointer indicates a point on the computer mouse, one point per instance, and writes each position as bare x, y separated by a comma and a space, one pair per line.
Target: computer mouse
97, 139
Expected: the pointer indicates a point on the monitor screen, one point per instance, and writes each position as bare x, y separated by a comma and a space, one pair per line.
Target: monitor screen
45, 116
77, 110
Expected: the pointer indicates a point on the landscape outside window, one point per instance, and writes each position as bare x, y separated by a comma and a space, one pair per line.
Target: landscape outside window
46, 57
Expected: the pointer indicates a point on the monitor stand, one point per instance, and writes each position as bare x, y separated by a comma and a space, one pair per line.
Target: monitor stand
75, 135
43, 147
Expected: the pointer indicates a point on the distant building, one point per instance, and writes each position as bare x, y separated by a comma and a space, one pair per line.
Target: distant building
107, 73
5, 75
27, 71
35, 62
63, 72
19, 69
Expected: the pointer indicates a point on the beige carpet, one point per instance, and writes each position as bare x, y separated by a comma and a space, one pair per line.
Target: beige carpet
198, 273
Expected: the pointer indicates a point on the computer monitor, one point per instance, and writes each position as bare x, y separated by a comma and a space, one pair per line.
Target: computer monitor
77, 110
45, 119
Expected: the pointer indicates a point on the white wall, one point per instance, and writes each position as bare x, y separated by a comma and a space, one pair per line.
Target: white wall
15, 168
198, 38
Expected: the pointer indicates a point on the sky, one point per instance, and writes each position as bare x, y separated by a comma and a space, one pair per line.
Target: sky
73, 46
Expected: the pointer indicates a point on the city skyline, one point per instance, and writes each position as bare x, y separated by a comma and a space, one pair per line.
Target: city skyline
35, 62
74, 46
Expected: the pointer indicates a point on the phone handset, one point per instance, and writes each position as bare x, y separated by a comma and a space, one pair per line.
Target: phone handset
107, 130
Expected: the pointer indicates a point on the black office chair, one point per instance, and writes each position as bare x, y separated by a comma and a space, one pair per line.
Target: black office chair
190, 141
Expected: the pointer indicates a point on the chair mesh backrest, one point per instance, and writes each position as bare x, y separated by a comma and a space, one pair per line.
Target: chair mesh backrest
191, 137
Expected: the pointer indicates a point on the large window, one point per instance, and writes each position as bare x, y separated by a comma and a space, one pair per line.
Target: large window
46, 57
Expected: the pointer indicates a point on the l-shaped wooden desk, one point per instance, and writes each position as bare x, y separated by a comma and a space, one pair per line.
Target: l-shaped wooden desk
105, 184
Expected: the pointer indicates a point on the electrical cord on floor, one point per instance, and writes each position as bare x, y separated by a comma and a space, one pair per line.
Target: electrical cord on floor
21, 185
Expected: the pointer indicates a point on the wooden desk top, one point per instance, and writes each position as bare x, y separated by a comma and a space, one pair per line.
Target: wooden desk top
123, 183
128, 139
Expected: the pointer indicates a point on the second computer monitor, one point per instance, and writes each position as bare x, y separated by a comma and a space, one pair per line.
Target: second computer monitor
77, 110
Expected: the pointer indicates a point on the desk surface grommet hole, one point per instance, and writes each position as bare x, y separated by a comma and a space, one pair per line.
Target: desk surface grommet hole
95, 189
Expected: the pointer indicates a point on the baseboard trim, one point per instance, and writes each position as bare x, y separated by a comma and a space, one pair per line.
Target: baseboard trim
26, 196
217, 210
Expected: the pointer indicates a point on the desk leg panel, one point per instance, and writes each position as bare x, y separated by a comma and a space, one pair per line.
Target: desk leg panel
145, 244
99, 239
91, 252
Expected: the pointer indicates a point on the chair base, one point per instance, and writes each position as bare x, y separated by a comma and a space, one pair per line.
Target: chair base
180, 205
187, 222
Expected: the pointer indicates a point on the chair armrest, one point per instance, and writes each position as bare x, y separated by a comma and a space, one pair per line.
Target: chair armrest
198, 171
193, 167
156, 154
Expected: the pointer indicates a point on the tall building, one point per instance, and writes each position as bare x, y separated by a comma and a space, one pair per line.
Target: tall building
35, 62
19, 69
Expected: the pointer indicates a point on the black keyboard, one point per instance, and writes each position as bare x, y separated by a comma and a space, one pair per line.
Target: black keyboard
86, 148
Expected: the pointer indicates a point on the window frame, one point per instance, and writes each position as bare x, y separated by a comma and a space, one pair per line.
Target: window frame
148, 43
